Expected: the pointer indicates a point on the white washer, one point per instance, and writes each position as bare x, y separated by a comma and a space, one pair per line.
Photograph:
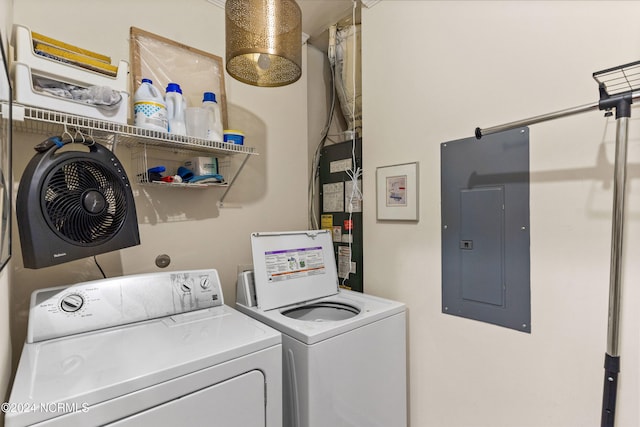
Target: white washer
344, 353
155, 349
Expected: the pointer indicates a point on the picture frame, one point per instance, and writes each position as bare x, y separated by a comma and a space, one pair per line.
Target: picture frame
164, 60
397, 192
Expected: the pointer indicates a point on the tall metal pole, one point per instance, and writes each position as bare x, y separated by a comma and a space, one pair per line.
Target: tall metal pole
612, 357
617, 228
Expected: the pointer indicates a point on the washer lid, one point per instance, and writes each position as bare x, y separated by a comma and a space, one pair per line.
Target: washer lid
293, 267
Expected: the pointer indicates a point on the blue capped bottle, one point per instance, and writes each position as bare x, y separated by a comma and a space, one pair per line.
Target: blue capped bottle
214, 122
176, 106
149, 108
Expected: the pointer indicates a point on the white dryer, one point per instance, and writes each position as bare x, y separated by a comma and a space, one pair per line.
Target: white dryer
344, 353
155, 350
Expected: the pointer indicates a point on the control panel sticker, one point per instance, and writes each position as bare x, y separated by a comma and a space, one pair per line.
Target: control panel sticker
337, 233
340, 165
326, 222
333, 197
345, 265
290, 264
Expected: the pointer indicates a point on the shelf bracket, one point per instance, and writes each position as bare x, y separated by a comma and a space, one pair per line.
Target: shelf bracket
224, 195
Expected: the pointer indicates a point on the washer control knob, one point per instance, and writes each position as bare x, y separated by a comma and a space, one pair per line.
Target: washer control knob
71, 303
205, 283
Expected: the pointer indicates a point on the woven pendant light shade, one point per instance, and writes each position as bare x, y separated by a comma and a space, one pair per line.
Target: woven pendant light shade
264, 41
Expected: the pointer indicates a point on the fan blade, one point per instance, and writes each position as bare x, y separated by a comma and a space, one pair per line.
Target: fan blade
65, 202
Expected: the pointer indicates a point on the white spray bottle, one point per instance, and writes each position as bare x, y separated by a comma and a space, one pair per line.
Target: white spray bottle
175, 109
214, 122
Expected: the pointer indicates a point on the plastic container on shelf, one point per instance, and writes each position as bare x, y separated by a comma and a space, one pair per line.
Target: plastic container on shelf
202, 165
176, 106
26, 93
197, 121
214, 123
23, 44
30, 65
233, 136
149, 108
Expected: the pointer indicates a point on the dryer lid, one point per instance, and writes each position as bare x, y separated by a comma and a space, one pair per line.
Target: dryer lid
293, 267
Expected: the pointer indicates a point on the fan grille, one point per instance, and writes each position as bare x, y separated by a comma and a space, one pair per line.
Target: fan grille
84, 202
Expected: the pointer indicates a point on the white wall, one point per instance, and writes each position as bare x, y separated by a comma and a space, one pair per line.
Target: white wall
186, 224
432, 72
5, 338
5, 275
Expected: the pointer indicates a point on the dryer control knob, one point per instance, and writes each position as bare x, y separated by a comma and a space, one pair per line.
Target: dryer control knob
71, 303
205, 283
186, 286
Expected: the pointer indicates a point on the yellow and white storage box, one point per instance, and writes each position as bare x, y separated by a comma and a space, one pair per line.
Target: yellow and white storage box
39, 56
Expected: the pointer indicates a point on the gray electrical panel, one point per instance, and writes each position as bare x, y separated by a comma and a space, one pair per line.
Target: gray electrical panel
485, 229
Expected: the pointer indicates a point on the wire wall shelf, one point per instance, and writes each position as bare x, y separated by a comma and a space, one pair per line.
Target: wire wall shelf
141, 141
143, 158
50, 123
621, 79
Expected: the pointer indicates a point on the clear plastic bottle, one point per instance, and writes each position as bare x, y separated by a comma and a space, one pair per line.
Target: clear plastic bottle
214, 126
176, 106
149, 108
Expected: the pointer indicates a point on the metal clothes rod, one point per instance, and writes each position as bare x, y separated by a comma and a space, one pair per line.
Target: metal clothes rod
544, 117
621, 102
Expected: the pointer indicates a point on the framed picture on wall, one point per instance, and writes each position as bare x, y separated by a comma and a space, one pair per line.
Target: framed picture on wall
397, 192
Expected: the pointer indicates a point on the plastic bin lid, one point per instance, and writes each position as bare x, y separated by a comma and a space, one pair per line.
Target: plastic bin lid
293, 267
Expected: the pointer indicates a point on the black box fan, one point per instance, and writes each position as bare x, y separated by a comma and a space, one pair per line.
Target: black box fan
74, 204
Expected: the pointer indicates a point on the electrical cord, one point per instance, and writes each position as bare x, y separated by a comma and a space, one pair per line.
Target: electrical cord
99, 268
315, 165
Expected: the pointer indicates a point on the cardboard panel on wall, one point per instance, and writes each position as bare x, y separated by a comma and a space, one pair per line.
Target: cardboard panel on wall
166, 61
